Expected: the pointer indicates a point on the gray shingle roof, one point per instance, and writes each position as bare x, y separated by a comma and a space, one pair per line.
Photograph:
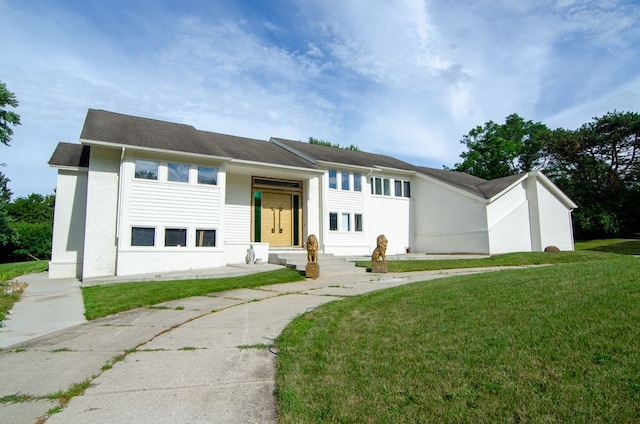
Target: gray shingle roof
482, 188
128, 130
70, 154
347, 157
119, 129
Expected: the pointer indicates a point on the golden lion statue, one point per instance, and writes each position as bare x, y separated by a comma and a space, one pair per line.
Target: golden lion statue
312, 248
381, 249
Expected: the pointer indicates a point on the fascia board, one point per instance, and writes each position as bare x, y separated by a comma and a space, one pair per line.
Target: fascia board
70, 168
394, 170
334, 165
130, 148
249, 163
453, 188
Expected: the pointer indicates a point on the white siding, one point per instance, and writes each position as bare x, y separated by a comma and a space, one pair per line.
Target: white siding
509, 225
68, 225
161, 204
238, 209
390, 216
555, 220
102, 206
447, 221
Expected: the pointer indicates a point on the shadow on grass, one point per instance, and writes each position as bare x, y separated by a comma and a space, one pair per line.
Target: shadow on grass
619, 246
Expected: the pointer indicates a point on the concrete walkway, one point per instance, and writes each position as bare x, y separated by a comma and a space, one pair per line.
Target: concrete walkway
204, 359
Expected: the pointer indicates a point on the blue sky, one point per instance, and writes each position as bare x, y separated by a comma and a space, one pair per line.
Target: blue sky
405, 78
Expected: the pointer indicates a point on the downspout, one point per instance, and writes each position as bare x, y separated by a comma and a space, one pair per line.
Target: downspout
119, 214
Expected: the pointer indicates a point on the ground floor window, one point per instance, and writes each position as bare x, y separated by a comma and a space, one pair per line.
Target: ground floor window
143, 236
175, 237
333, 221
205, 238
358, 222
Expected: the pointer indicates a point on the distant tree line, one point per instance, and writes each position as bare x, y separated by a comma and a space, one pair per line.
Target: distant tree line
596, 165
320, 142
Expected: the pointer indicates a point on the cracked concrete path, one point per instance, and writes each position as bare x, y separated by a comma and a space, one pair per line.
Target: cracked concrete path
197, 360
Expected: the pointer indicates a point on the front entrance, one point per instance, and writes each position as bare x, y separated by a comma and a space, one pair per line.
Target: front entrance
276, 219
277, 212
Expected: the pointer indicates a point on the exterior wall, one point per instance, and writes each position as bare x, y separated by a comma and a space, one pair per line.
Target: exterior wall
238, 222
447, 221
101, 213
343, 241
67, 246
165, 205
388, 215
313, 209
509, 222
554, 219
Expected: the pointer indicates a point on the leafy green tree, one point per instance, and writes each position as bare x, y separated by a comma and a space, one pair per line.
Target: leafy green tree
330, 144
598, 166
7, 117
499, 150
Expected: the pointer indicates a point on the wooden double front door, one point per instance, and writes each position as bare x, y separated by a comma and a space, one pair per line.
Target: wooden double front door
277, 219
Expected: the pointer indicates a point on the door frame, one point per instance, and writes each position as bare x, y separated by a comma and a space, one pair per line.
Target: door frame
260, 185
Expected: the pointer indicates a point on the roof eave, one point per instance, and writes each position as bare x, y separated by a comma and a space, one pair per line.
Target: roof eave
151, 149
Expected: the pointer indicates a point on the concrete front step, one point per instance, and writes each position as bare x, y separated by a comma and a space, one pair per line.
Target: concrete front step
329, 264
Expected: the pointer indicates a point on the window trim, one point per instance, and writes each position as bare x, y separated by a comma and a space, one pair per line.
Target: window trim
136, 227
215, 238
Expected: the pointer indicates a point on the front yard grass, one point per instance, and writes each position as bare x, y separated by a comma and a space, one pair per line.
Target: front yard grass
100, 301
549, 344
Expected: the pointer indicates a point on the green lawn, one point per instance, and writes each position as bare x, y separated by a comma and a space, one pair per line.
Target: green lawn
109, 299
550, 344
9, 294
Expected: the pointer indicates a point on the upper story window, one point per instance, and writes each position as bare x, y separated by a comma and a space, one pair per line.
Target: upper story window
178, 172
207, 175
333, 179
146, 169
402, 188
345, 181
380, 186
357, 181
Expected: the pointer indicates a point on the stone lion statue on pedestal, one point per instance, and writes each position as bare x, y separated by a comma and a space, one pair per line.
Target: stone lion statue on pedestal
312, 249
379, 254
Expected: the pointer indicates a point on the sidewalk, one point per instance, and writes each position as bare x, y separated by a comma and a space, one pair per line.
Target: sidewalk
198, 360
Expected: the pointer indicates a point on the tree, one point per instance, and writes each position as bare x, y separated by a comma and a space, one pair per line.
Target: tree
330, 144
7, 117
495, 151
598, 166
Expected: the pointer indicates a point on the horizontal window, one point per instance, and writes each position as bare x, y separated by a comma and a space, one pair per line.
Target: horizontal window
175, 237
178, 172
143, 236
205, 238
146, 169
207, 175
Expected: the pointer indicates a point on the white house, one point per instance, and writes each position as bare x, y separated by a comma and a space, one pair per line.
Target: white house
138, 195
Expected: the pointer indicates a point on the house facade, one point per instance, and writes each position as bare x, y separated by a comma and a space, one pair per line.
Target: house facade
137, 195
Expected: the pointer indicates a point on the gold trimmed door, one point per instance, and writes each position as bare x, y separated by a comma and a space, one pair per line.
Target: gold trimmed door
277, 222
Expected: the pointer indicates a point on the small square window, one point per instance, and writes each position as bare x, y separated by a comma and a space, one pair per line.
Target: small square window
345, 181
357, 182
146, 169
333, 221
346, 222
333, 179
207, 175
358, 222
205, 238
175, 237
178, 172
143, 236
